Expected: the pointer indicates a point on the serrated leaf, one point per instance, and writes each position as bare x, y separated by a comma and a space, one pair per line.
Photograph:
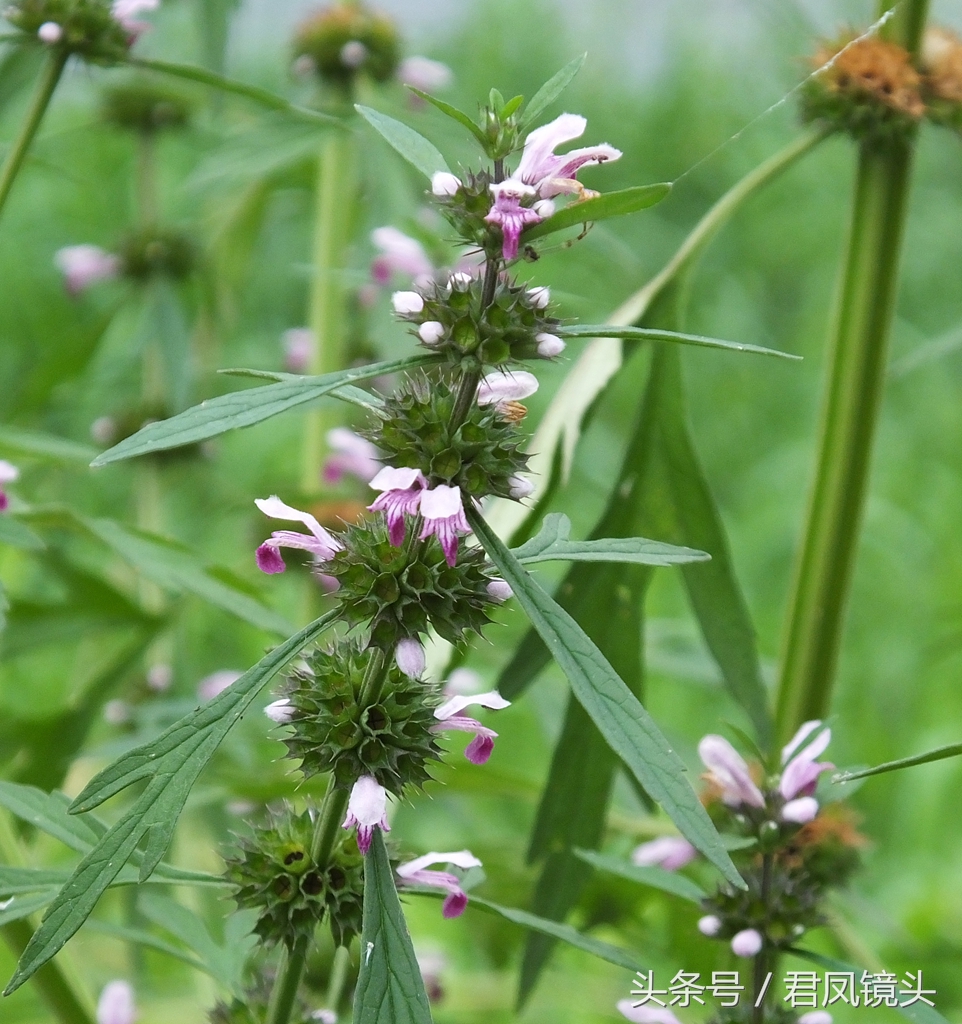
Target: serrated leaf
18, 535
170, 765
608, 204
939, 754
657, 878
918, 1012
263, 97
675, 337
18, 442
564, 932
620, 717
410, 144
551, 544
245, 408
456, 115
552, 89
389, 985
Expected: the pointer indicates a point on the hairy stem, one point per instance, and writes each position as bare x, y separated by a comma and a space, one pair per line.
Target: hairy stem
856, 377
49, 78
333, 213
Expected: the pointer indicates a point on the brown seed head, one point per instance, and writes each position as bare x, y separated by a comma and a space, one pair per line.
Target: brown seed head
872, 68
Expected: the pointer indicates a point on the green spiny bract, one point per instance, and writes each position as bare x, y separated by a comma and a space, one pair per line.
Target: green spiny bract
89, 27
153, 253
142, 105
505, 331
480, 456
402, 591
273, 874
324, 36
331, 732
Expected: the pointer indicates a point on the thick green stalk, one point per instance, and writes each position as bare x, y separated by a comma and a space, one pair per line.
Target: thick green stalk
49, 78
856, 377
333, 215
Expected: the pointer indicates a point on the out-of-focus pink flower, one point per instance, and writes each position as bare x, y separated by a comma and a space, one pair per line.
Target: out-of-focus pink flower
298, 344
210, 686
160, 677
801, 771
399, 254
727, 770
646, 1014
8, 474
351, 455
116, 1004
424, 74
84, 265
125, 12
668, 852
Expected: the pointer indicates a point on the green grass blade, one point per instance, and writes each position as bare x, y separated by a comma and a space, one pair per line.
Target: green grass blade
245, 408
389, 986
620, 717
410, 144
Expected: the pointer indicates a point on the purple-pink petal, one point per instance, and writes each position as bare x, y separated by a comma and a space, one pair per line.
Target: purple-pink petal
479, 750
269, 559
454, 904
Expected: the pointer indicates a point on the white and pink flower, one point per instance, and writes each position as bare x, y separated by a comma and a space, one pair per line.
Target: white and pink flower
84, 265
367, 810
8, 474
416, 872
801, 770
126, 11
321, 544
351, 455
401, 491
424, 74
449, 717
409, 657
728, 770
399, 254
298, 345
503, 387
668, 852
116, 1004
442, 512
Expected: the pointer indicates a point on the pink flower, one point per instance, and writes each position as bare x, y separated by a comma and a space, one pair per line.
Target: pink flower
449, 717
424, 74
727, 770
414, 873
801, 771
8, 474
116, 1004
646, 1014
804, 809
443, 514
747, 943
367, 809
668, 852
210, 686
509, 215
400, 254
84, 265
501, 387
321, 544
298, 344
401, 496
351, 454
551, 174
124, 11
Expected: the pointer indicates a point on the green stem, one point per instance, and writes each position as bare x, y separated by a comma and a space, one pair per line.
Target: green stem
146, 180
856, 377
56, 981
333, 214
340, 970
287, 982
38, 107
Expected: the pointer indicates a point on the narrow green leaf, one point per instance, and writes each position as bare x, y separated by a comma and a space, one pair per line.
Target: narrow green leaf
609, 204
264, 97
552, 89
14, 881
564, 932
389, 986
551, 544
413, 146
18, 535
457, 115
648, 334
620, 717
141, 937
919, 1012
171, 765
23, 906
348, 393
17, 441
657, 878
245, 408
939, 754
48, 812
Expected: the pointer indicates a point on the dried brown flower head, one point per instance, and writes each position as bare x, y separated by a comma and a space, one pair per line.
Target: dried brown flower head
872, 69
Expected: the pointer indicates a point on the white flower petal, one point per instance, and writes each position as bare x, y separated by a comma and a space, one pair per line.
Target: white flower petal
492, 699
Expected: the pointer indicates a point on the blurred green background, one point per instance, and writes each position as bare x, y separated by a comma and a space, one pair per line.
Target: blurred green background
668, 84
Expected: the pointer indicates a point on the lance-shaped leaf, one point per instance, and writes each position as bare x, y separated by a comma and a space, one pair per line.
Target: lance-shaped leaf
919, 1012
389, 985
609, 204
552, 89
456, 115
672, 337
413, 146
656, 878
20, 907
14, 881
551, 544
939, 754
245, 408
619, 716
170, 765
263, 97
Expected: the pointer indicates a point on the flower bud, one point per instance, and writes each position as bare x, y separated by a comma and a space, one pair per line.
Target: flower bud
747, 943
280, 711
459, 281
50, 32
324, 1016
159, 677
353, 54
520, 487
444, 183
499, 590
407, 302
544, 208
539, 297
409, 656
801, 810
549, 345
709, 925
431, 332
